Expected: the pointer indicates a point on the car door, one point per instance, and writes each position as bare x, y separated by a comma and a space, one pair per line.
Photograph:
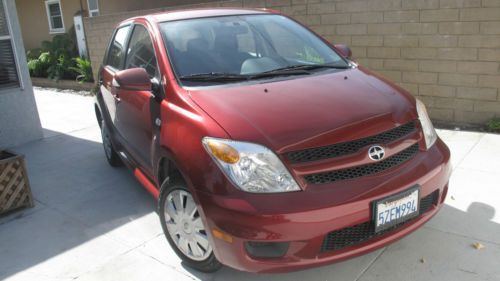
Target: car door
113, 62
134, 109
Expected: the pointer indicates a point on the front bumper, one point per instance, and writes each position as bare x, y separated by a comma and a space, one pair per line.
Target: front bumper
306, 229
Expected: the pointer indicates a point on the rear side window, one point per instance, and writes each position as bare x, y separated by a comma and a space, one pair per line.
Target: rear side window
116, 54
141, 53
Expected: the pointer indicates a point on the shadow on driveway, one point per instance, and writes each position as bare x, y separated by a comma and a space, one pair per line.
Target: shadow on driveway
88, 213
79, 197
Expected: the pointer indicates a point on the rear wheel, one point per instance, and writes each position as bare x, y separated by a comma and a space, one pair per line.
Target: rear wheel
110, 152
184, 229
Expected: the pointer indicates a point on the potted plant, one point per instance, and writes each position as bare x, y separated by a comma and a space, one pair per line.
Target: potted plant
15, 191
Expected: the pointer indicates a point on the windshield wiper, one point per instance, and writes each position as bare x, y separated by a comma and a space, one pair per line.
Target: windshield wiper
307, 67
276, 72
234, 77
214, 77
300, 69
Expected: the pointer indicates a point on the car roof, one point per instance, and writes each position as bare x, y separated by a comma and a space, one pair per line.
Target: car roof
202, 13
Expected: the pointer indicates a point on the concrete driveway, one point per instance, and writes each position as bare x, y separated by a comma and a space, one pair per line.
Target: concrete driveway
94, 222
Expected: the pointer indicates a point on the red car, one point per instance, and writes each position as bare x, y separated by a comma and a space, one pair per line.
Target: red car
268, 148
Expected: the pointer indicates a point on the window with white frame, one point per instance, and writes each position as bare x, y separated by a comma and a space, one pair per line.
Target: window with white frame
55, 16
93, 7
8, 70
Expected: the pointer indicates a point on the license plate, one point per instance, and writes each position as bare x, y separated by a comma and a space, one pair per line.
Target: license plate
396, 209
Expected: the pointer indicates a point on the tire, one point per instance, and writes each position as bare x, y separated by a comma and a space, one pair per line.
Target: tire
185, 226
109, 151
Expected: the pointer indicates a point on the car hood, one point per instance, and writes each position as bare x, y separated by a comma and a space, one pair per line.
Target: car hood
307, 111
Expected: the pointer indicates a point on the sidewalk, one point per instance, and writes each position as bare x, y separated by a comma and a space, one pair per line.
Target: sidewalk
94, 222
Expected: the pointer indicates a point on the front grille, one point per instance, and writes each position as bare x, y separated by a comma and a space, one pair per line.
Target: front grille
353, 235
364, 170
345, 148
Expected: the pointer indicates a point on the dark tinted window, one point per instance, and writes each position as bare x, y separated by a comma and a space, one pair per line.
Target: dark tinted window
8, 70
140, 52
116, 54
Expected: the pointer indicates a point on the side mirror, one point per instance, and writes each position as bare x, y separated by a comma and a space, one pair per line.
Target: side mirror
133, 79
344, 50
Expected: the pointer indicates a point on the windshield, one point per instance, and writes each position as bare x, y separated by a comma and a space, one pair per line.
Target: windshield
234, 47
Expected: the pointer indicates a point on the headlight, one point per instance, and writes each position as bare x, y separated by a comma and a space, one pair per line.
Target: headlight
252, 167
427, 127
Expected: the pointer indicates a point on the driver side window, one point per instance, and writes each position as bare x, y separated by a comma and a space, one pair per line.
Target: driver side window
116, 53
140, 52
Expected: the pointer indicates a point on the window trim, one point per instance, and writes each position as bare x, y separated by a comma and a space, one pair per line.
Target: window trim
20, 81
131, 33
127, 39
94, 10
53, 30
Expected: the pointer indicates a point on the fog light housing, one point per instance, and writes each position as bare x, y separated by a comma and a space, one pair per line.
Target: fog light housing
266, 249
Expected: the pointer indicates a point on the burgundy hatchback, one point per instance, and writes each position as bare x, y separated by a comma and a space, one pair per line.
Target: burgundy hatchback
268, 148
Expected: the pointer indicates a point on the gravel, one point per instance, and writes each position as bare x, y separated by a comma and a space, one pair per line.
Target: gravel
63, 91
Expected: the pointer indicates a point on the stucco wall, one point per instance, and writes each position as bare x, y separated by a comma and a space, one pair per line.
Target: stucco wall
446, 52
34, 22
19, 121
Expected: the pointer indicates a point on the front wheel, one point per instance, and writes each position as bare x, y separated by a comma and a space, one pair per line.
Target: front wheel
110, 152
184, 229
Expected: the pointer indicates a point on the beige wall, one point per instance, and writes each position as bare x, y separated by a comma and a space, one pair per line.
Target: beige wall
446, 52
117, 6
34, 22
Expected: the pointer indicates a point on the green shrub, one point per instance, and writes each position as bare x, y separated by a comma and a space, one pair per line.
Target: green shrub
38, 66
61, 44
83, 69
60, 68
33, 54
494, 125
53, 60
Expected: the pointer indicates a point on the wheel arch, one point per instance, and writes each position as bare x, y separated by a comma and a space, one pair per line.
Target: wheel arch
168, 169
98, 114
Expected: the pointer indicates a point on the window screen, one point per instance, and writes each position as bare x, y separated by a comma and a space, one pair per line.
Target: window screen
116, 52
55, 16
8, 70
93, 7
141, 52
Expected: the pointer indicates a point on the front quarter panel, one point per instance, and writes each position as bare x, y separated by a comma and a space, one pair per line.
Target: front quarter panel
184, 126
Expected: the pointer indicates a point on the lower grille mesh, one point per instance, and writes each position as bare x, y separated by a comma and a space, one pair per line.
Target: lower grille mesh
353, 235
364, 170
